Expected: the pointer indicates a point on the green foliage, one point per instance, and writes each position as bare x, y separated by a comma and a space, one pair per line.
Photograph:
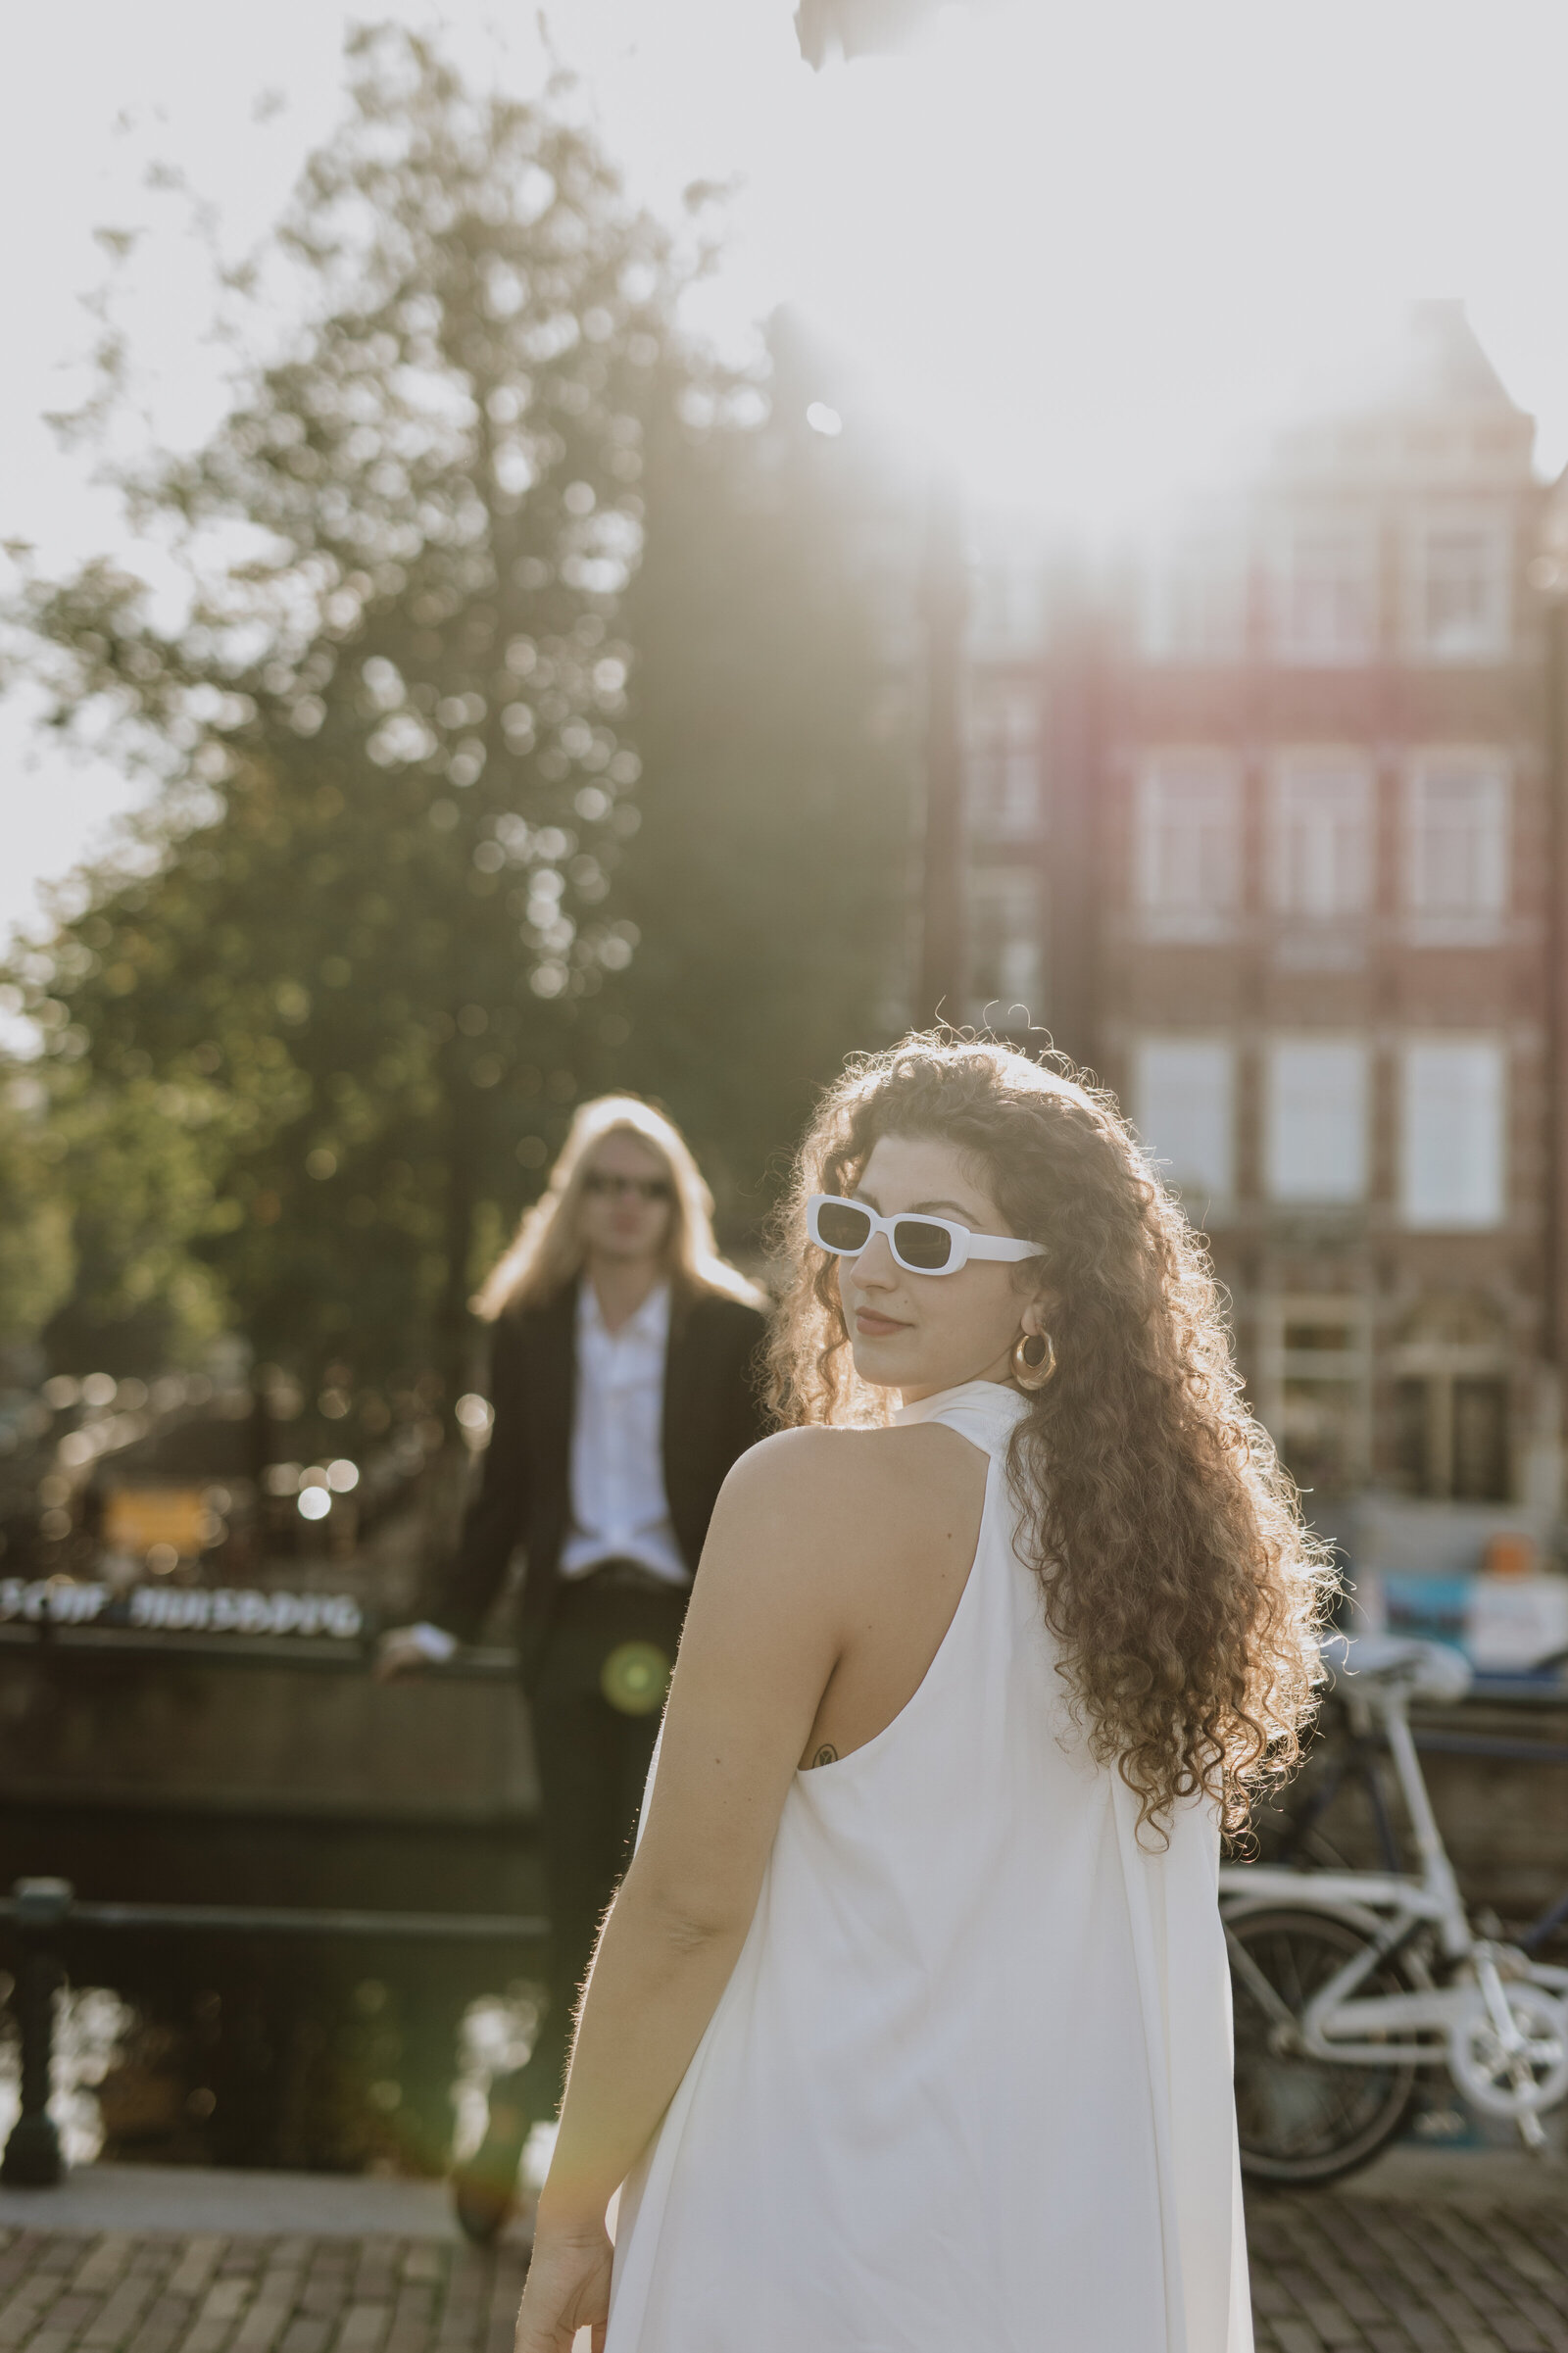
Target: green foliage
308, 1049
387, 730
38, 1265
138, 1167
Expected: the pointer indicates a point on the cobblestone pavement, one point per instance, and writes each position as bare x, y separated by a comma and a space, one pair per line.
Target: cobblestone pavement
214, 2294
1329, 2275
1364, 2276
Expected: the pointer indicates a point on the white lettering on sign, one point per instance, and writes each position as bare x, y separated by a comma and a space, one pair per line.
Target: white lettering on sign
179, 1609
193, 1609
58, 1600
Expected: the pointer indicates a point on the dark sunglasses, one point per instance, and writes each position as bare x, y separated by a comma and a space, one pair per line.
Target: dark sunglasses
647, 1189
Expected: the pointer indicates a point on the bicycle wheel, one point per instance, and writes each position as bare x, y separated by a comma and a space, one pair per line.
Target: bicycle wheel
1299, 2119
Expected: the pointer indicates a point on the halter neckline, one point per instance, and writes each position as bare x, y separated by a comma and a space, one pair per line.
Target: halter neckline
992, 1398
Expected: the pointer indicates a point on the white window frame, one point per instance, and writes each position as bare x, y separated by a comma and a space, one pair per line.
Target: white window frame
1188, 891
1299, 886
1348, 1369
1423, 1206
1488, 640
1006, 912
1003, 733
1341, 645
1287, 1177
1006, 596
1478, 915
1191, 600
1203, 1059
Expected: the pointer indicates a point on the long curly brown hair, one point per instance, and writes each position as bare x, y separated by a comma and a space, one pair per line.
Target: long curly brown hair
1183, 1591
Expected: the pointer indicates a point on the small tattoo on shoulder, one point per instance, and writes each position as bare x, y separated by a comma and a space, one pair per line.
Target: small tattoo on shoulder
827, 1754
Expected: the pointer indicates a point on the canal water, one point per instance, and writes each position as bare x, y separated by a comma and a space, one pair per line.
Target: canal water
193, 1769
308, 2061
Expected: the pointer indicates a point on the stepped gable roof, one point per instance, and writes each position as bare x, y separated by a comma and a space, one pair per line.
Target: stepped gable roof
1426, 370
1438, 362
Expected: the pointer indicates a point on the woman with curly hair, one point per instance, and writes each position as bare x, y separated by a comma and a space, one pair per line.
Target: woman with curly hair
908, 2030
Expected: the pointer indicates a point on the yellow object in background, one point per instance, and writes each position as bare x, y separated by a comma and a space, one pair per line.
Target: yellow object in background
136, 1518
635, 1677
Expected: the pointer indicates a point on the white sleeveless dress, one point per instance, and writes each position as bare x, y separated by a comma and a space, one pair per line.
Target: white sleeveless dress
969, 2089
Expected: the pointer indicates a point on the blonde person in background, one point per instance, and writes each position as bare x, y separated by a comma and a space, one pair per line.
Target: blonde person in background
624, 1381
909, 2027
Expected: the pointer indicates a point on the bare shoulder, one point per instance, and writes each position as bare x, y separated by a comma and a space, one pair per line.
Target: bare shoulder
900, 1474
819, 1531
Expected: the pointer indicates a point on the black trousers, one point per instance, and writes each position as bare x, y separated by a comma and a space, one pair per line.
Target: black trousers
596, 1704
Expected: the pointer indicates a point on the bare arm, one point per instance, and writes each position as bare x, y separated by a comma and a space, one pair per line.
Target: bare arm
761, 1637
820, 1543
761, 1641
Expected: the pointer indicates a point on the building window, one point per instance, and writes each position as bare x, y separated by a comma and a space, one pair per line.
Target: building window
1460, 589
1193, 602
1327, 601
1451, 1398
1184, 1095
1003, 764
1315, 1140
1006, 602
1451, 1439
1006, 960
1315, 1388
1455, 1102
1187, 850
1322, 863
1456, 859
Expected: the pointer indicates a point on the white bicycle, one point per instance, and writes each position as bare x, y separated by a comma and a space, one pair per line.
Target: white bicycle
1347, 1983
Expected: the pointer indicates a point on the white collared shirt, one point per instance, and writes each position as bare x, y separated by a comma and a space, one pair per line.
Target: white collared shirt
620, 1510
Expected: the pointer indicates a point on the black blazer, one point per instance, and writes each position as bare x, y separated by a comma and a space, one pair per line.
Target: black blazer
712, 1412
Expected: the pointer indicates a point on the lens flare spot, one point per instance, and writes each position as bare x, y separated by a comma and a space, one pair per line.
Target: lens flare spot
635, 1677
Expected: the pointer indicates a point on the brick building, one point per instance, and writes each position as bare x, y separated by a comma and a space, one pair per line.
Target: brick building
1265, 833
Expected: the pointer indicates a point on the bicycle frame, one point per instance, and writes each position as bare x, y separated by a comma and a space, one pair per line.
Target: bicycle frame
1357, 1760
1389, 1908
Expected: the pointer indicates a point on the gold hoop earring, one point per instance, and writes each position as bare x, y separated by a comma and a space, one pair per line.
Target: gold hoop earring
1033, 1371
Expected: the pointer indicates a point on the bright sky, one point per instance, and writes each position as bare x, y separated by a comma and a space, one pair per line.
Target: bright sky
1088, 248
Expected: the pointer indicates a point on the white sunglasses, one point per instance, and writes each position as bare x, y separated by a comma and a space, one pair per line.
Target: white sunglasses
921, 1246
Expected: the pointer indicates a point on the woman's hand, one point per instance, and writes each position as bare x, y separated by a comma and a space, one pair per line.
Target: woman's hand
567, 2289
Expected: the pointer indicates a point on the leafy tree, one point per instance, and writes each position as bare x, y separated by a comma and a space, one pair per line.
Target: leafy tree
387, 729
38, 1265
392, 910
